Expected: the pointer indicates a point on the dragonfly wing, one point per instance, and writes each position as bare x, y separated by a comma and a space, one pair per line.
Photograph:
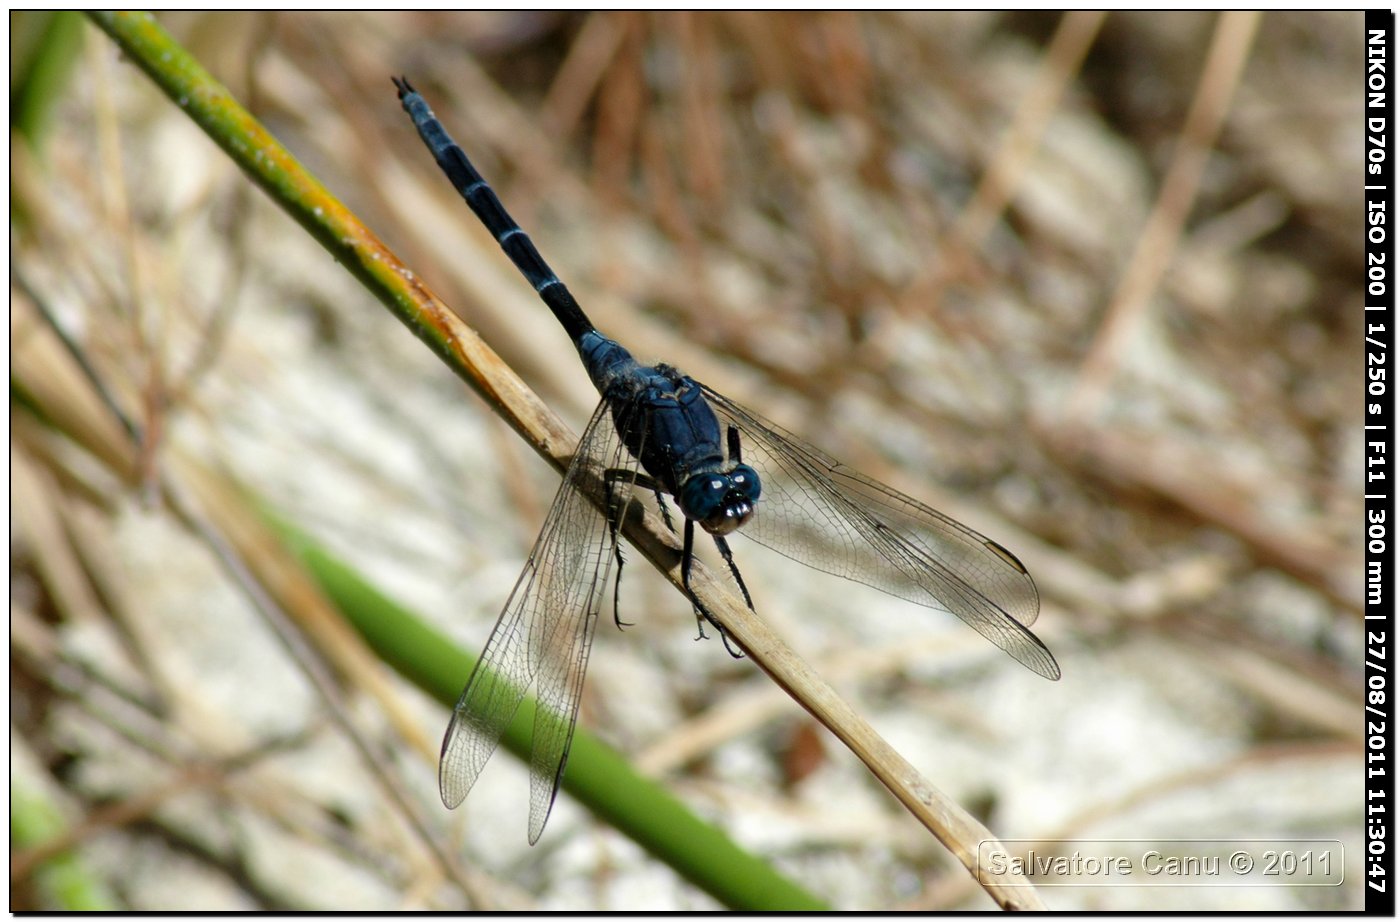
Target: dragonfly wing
823, 514
543, 635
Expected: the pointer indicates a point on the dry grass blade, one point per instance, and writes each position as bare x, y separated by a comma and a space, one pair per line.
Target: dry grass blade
1234, 36
998, 184
234, 530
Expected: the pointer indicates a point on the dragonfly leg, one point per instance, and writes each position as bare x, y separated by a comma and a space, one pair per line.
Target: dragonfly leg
687, 557
723, 546
614, 516
638, 479
702, 614
735, 455
728, 556
729, 644
661, 504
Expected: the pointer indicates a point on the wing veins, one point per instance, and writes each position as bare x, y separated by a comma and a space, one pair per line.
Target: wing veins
543, 636
911, 548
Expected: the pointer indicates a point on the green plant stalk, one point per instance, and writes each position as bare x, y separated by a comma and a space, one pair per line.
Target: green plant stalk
45, 45
63, 879
597, 776
297, 192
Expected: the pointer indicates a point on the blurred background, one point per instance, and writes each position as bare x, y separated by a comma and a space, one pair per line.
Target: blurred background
1084, 282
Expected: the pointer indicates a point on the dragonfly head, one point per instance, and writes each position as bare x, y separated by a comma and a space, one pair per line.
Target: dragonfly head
721, 502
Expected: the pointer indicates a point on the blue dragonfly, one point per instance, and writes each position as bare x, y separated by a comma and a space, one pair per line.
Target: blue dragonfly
725, 468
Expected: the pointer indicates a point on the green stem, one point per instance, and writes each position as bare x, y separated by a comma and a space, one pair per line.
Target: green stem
297, 192
597, 776
63, 880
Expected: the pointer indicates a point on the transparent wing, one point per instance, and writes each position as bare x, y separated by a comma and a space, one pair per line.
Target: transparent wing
823, 514
543, 636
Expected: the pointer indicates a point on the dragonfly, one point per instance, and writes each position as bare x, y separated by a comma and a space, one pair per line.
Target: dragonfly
727, 470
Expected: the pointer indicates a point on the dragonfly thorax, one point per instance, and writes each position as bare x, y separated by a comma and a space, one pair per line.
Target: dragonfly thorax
720, 502
667, 425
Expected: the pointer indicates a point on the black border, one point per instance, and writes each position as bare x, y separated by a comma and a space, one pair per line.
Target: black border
1379, 331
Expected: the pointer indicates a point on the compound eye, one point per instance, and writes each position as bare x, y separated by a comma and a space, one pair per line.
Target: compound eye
745, 480
702, 496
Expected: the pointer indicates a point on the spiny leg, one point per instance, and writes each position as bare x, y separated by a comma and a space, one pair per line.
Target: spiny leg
701, 612
614, 515
723, 546
687, 557
647, 482
728, 556
661, 504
